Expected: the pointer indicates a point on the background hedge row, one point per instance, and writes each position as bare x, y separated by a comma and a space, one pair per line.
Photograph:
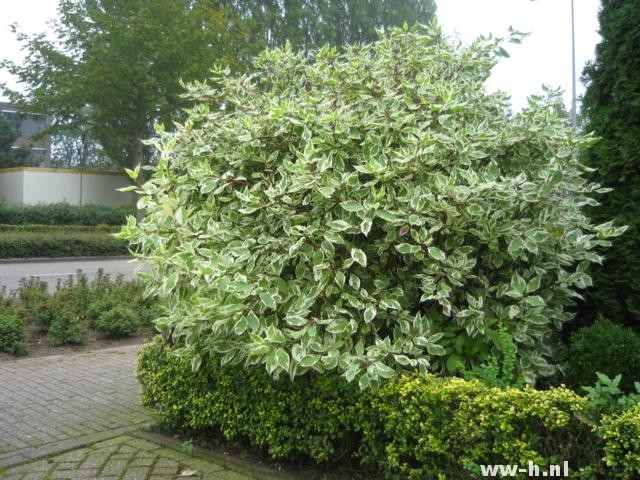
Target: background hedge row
27, 227
418, 427
60, 244
63, 214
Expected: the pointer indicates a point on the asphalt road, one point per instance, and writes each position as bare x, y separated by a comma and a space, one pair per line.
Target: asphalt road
52, 270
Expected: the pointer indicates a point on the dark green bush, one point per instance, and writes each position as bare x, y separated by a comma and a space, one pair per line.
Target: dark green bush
60, 244
117, 321
63, 214
68, 327
418, 427
13, 338
604, 347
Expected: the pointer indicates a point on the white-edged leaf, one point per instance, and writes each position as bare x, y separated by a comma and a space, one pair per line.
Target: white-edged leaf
268, 300
359, 256
436, 254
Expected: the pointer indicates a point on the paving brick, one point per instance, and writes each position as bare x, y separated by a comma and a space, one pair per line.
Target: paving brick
50, 399
75, 412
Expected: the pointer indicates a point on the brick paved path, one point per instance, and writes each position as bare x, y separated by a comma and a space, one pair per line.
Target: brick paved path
51, 404
130, 458
77, 416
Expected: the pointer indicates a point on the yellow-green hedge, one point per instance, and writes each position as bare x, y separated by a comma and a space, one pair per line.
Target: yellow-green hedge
419, 427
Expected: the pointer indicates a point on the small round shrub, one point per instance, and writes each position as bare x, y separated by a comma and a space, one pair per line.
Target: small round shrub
372, 212
68, 309
116, 322
13, 338
35, 303
68, 326
604, 347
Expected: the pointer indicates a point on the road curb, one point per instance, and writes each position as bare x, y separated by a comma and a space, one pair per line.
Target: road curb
63, 259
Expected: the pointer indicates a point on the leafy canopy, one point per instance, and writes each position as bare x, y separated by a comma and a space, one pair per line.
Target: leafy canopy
374, 212
9, 156
309, 24
115, 66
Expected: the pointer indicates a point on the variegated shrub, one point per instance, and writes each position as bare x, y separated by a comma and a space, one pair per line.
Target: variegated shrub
373, 211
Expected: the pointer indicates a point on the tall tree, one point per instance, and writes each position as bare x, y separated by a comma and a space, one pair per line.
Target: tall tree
115, 67
612, 108
9, 156
307, 24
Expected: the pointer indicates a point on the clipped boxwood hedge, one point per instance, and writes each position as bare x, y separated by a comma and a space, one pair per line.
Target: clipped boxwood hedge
63, 214
418, 427
60, 244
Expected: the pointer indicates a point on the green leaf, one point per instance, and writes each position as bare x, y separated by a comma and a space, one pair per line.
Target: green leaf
339, 225
533, 285
171, 281
515, 246
253, 321
385, 371
309, 361
296, 320
282, 359
534, 301
406, 248
359, 256
351, 373
365, 226
454, 363
370, 313
268, 300
333, 238
388, 216
518, 284
435, 349
436, 254
352, 206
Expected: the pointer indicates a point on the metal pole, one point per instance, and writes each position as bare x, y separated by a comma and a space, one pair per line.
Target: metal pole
573, 68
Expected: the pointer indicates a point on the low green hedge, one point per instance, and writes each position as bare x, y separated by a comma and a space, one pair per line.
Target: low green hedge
60, 244
60, 228
63, 214
621, 435
418, 427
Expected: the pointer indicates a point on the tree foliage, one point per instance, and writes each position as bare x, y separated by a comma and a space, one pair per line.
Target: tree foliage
372, 211
612, 107
9, 156
115, 66
309, 24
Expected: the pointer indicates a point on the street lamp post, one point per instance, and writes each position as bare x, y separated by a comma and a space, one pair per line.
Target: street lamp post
573, 68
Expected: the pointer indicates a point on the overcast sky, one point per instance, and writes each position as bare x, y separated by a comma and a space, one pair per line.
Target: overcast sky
543, 58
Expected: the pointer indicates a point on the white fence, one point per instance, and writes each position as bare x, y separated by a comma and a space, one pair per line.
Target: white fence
29, 186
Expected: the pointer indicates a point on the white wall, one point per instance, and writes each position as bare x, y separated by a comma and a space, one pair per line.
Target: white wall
100, 189
11, 186
53, 185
